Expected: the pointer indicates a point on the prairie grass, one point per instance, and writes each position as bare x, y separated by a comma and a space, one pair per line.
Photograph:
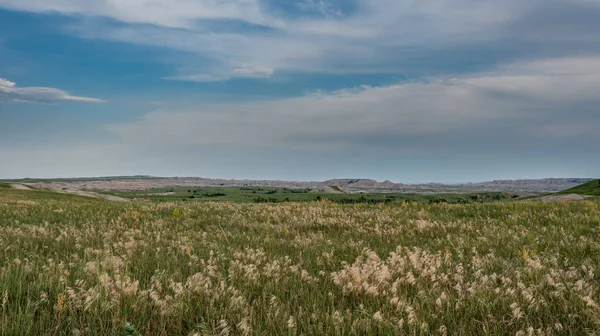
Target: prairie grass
76, 266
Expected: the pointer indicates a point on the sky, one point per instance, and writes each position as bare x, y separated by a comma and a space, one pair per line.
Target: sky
405, 90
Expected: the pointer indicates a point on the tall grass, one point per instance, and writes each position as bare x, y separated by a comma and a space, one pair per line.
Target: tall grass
75, 266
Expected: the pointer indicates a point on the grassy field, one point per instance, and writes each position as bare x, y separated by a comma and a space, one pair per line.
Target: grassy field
79, 266
277, 195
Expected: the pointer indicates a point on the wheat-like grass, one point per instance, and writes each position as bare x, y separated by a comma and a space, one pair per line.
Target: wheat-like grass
71, 266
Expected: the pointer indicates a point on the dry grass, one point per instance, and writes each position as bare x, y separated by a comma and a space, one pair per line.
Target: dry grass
72, 266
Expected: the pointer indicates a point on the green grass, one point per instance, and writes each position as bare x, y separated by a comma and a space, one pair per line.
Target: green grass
79, 266
276, 195
591, 188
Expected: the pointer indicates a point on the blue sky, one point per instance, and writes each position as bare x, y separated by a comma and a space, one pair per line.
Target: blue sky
411, 91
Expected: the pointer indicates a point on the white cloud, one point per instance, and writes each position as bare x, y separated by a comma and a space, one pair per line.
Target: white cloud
253, 71
219, 74
534, 102
9, 92
567, 79
168, 13
4, 83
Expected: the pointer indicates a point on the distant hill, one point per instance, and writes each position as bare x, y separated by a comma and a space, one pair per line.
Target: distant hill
77, 179
550, 185
591, 188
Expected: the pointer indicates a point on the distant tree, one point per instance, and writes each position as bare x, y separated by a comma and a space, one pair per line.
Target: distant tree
261, 199
219, 194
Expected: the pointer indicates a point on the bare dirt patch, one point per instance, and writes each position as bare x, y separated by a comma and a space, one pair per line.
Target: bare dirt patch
324, 189
562, 198
20, 186
65, 190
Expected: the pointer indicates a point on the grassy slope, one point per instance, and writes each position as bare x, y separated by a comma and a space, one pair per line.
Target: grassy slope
591, 188
72, 265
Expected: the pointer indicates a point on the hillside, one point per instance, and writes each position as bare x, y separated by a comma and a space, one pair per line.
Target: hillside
591, 188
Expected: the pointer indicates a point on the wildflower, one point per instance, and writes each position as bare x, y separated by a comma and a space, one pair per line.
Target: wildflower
60, 302
525, 254
377, 317
291, 323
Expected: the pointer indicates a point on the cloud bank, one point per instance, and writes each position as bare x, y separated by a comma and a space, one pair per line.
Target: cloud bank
259, 38
526, 100
523, 119
10, 93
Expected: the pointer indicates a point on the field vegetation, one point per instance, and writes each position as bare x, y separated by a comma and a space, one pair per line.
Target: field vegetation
83, 266
278, 195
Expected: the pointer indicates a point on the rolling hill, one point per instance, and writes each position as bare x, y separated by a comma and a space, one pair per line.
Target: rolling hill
591, 188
